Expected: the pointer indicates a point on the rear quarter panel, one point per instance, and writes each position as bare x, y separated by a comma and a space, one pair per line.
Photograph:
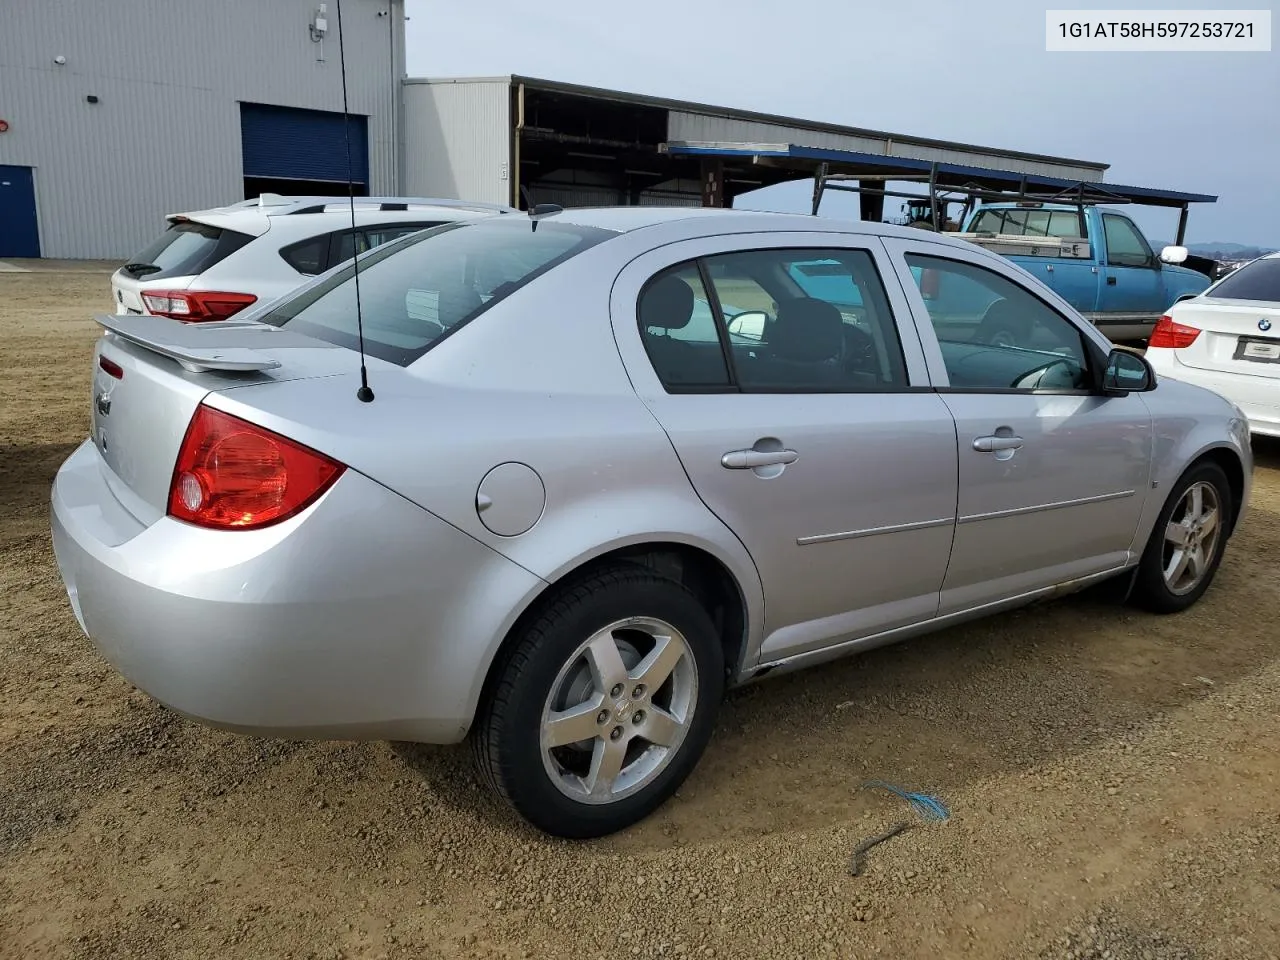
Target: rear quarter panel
535, 380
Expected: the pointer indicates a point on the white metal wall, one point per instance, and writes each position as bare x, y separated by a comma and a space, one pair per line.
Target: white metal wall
707, 127
169, 75
458, 139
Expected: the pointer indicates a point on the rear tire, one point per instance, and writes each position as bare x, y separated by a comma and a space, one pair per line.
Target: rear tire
603, 705
1186, 545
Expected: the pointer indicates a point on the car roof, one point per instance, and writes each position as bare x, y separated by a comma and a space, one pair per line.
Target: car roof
709, 221
254, 216
276, 205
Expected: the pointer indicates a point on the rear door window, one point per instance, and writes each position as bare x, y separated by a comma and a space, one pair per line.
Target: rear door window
185, 249
318, 254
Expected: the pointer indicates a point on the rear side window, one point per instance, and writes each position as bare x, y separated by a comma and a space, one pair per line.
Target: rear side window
318, 254
415, 293
308, 256
1259, 280
185, 249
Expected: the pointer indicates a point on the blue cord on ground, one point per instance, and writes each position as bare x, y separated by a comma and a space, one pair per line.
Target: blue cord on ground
927, 807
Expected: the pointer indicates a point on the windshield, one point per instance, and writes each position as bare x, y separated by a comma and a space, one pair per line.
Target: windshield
1259, 280
417, 290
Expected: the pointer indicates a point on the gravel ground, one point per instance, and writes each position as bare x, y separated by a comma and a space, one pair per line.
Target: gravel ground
1111, 776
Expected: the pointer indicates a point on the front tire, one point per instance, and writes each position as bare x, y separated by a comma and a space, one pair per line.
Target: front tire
1187, 543
603, 705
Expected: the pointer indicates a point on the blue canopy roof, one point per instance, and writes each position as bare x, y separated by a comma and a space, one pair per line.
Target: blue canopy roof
807, 159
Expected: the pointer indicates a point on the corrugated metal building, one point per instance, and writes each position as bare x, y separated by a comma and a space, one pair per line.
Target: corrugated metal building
113, 117
517, 140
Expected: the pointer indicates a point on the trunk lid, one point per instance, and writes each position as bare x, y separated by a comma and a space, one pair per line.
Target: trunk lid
1239, 336
150, 374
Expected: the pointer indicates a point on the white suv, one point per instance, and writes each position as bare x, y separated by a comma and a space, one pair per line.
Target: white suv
211, 264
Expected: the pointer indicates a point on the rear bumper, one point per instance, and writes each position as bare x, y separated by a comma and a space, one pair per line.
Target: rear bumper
1257, 397
365, 617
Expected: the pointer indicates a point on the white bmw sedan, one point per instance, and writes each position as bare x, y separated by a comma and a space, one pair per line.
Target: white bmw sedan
1228, 339
612, 462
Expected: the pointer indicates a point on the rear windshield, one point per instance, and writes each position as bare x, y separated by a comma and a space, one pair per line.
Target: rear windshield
418, 289
1259, 280
1030, 223
185, 249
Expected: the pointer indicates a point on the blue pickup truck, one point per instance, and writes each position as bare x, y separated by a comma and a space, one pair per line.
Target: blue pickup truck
1093, 257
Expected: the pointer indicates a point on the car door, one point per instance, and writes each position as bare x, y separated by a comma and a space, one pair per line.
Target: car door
1052, 475
808, 430
1132, 278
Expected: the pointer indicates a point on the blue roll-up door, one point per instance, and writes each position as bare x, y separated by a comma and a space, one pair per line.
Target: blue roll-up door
290, 144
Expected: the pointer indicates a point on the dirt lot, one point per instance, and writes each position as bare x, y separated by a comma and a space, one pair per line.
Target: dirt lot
1113, 780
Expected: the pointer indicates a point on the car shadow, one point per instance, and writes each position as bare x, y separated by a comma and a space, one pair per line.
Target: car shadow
1266, 453
26, 474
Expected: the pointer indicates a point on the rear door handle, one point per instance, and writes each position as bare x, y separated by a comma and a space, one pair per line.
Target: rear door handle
996, 444
750, 459
1111, 281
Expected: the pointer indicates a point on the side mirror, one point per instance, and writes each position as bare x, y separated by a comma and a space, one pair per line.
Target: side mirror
1127, 372
749, 324
1174, 254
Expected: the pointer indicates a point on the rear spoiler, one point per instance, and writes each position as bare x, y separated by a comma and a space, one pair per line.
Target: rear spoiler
229, 346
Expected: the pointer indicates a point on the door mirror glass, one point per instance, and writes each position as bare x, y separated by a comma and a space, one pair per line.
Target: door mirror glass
1174, 254
1127, 372
748, 325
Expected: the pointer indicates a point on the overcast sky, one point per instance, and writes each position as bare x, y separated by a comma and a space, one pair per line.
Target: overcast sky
973, 71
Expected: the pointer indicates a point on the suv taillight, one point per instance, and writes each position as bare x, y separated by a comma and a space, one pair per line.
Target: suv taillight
196, 306
1172, 335
235, 475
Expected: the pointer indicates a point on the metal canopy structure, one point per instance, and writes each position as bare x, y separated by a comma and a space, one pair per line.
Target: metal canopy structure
868, 173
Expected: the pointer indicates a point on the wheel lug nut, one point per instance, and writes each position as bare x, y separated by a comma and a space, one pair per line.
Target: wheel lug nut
602, 716
615, 733
616, 691
638, 717
638, 692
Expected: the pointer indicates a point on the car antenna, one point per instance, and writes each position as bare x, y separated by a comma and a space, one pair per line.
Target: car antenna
364, 394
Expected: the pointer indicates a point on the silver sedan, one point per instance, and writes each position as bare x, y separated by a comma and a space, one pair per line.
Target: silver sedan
610, 464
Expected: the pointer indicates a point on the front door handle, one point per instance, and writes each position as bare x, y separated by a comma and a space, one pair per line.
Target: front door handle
750, 459
996, 444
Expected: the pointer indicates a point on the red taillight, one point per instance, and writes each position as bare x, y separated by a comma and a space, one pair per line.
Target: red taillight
195, 306
111, 368
234, 475
1172, 335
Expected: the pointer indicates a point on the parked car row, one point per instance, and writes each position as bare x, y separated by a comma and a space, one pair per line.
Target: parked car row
614, 462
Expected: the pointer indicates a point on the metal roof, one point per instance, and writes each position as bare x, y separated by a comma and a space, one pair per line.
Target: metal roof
733, 113
807, 159
688, 106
